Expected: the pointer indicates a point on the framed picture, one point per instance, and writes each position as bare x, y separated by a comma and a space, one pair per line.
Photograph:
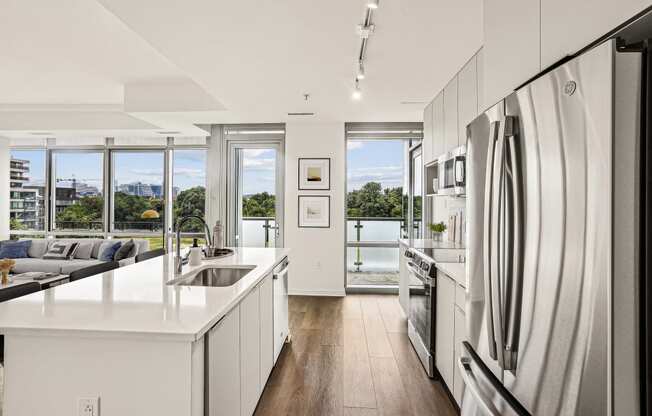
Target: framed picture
315, 174
314, 211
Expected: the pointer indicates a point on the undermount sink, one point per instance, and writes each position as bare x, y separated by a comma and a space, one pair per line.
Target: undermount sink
217, 276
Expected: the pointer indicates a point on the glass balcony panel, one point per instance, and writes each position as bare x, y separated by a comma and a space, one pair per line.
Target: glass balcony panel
374, 229
372, 266
258, 232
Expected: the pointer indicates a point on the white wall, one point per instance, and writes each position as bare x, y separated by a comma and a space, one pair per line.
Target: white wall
4, 188
317, 257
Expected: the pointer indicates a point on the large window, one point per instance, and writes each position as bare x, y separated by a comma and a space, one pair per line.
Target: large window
27, 188
108, 190
375, 210
189, 191
377, 199
79, 191
258, 210
138, 191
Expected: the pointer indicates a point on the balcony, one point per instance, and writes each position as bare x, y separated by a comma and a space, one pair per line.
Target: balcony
258, 232
372, 250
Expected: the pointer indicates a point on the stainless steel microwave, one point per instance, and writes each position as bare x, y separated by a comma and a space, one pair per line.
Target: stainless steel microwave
452, 172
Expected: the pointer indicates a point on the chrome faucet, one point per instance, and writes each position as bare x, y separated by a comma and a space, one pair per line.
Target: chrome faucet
178, 261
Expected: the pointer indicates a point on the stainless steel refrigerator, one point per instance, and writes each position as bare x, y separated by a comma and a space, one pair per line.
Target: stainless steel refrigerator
553, 219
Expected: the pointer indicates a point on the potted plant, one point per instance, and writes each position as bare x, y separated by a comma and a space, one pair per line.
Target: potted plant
437, 229
5, 267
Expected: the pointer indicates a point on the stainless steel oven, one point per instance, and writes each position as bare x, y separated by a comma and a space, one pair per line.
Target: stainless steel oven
452, 172
421, 319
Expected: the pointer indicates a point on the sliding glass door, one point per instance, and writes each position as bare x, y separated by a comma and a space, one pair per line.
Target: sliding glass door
255, 207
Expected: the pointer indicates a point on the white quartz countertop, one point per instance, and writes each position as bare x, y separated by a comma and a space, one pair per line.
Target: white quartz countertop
456, 271
137, 301
430, 243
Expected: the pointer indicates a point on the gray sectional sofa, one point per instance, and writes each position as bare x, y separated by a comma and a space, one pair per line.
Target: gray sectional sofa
83, 257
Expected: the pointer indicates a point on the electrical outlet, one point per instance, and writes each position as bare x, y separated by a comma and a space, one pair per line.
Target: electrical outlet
318, 265
88, 406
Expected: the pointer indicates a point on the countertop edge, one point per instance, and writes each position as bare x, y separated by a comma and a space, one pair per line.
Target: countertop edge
191, 335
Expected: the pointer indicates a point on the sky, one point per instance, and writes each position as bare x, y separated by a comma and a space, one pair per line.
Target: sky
375, 161
146, 167
380, 161
259, 171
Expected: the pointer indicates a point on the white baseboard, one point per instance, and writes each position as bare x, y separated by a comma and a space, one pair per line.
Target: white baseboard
316, 292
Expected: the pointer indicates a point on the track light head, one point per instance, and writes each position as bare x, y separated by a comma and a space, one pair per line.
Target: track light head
357, 94
373, 4
360, 74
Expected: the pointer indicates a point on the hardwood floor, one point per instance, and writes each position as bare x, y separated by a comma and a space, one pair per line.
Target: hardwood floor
350, 357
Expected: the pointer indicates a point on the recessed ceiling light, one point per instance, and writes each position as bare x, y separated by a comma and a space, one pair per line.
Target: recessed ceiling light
373, 4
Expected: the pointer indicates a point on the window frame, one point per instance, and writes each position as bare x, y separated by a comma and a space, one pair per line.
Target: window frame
108, 149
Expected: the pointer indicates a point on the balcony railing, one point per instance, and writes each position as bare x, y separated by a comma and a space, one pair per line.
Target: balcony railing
372, 249
258, 231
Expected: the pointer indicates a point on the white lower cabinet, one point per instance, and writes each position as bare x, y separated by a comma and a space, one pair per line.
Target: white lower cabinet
460, 334
445, 328
240, 352
250, 352
450, 333
223, 366
266, 330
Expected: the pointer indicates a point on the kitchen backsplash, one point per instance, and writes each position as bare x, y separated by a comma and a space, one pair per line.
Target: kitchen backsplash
452, 212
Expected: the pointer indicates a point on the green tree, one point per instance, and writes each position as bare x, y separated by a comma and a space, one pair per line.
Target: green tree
372, 201
259, 205
191, 201
16, 224
86, 211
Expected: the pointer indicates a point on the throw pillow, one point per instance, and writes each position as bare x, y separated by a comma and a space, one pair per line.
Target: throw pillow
125, 251
84, 250
61, 250
108, 249
15, 249
38, 247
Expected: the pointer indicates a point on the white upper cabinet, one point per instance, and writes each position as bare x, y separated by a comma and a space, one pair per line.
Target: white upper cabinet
426, 148
450, 115
479, 57
438, 146
467, 97
568, 26
511, 45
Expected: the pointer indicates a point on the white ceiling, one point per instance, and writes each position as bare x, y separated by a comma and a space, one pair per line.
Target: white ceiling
254, 59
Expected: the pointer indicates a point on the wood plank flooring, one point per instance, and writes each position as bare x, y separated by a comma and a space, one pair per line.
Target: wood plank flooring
350, 357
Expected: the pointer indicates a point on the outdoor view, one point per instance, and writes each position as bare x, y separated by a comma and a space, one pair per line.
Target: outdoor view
375, 210
138, 194
258, 197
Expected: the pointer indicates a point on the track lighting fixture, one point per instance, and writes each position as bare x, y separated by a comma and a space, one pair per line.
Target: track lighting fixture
360, 74
373, 4
357, 94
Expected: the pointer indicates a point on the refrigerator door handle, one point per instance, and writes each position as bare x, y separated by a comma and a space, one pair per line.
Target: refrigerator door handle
514, 284
497, 240
487, 251
471, 383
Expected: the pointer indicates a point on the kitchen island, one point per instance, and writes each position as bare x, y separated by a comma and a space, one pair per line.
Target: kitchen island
145, 342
